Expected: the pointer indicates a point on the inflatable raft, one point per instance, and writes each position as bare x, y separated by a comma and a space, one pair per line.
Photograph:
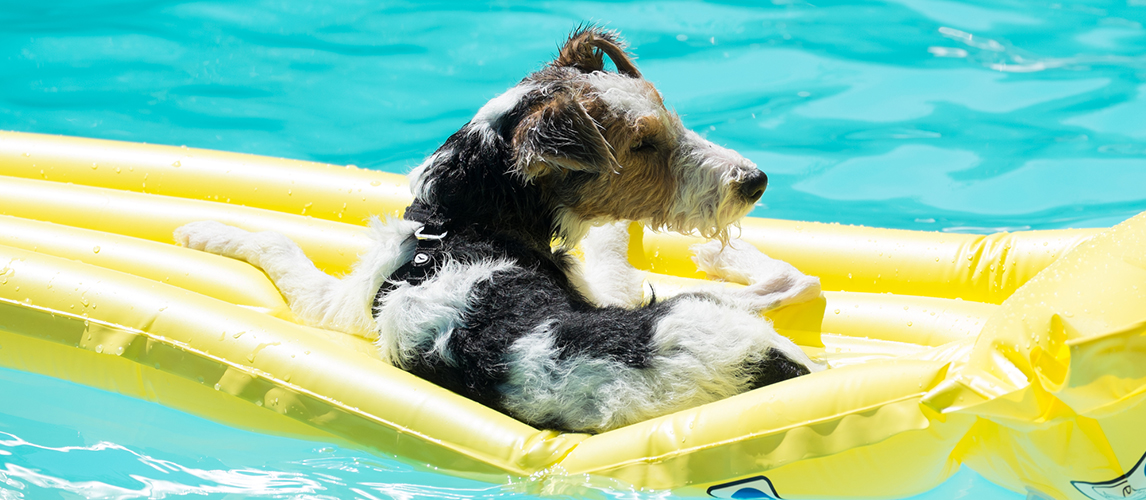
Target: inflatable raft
1022, 355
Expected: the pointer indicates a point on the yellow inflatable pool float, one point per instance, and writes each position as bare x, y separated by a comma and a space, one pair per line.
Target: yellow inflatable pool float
1021, 355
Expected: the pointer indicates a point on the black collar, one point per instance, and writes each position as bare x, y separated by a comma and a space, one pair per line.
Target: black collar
428, 254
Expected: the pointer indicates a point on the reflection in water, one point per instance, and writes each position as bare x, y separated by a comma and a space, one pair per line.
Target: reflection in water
109, 471
153, 478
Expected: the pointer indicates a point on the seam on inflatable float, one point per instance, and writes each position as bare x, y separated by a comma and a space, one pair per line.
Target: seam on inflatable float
746, 437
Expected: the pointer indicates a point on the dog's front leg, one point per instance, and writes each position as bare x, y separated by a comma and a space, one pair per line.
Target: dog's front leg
607, 277
316, 298
770, 283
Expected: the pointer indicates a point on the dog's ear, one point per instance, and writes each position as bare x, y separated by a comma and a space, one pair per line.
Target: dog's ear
560, 135
584, 51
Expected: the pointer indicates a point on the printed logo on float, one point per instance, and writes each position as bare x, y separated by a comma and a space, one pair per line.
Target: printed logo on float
1130, 486
753, 487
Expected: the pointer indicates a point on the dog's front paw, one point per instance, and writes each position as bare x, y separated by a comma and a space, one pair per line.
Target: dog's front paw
607, 243
771, 283
731, 262
608, 278
209, 236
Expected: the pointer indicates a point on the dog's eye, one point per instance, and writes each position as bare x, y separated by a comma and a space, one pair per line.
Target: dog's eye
643, 146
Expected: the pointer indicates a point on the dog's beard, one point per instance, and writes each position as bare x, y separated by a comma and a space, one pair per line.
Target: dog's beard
708, 214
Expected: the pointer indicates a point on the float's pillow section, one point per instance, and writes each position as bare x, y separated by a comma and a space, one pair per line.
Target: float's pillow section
1059, 376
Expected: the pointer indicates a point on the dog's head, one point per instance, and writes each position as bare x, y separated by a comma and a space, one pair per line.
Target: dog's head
600, 145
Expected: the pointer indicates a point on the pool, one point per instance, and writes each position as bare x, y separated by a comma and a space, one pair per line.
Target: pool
930, 115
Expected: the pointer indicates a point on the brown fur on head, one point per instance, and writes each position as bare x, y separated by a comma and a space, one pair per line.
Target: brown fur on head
635, 158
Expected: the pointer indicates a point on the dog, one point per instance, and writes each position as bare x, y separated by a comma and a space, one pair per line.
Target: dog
470, 291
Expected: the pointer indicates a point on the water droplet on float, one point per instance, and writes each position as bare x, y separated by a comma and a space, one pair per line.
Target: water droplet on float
99, 348
176, 164
908, 323
216, 387
95, 249
375, 183
837, 311
95, 166
119, 351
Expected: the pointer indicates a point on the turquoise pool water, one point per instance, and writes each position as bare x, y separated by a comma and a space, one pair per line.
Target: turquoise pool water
919, 114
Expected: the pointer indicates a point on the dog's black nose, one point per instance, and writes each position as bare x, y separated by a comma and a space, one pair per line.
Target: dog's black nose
752, 187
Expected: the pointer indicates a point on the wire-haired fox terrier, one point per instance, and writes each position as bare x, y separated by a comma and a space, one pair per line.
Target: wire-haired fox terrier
468, 291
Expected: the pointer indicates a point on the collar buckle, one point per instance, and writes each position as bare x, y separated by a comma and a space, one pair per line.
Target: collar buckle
433, 237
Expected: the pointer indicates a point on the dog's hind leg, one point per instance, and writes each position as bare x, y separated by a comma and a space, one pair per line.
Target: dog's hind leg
770, 283
316, 298
607, 277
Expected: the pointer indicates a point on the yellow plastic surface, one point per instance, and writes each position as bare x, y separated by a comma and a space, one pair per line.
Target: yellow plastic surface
982, 268
328, 192
1058, 375
1041, 390
244, 286
332, 246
